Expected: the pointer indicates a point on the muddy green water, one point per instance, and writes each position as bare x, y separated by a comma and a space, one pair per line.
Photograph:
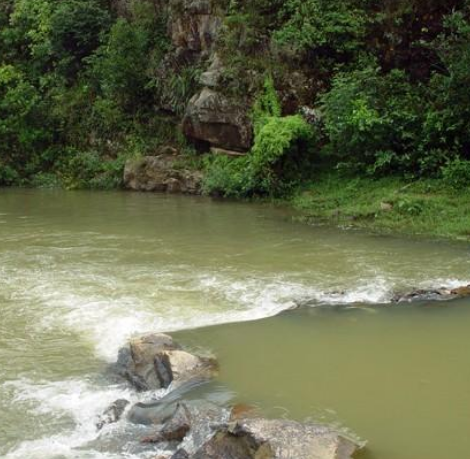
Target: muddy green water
82, 272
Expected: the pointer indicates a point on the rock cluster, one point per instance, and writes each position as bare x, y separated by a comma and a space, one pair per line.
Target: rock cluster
438, 294
254, 438
200, 429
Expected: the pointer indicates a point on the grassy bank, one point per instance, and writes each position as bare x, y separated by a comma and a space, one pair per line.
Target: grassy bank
389, 205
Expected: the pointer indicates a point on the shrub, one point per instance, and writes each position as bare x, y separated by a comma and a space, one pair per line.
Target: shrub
373, 121
75, 29
447, 124
228, 177
266, 105
56, 36
278, 159
456, 174
22, 132
87, 169
322, 27
119, 65
280, 154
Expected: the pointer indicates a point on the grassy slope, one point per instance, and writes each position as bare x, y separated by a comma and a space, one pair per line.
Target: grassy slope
423, 207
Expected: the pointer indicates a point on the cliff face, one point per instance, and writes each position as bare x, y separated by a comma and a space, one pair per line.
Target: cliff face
211, 117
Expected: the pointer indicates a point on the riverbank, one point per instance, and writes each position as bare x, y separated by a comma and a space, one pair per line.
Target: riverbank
388, 205
427, 207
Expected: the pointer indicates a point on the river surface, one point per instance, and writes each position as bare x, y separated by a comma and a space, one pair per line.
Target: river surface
81, 272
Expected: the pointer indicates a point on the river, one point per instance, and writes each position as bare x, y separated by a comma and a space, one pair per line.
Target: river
81, 272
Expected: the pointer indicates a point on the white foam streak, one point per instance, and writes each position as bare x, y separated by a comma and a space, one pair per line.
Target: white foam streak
78, 400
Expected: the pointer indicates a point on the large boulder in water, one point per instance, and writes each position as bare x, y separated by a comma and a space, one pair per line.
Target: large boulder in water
254, 438
155, 361
164, 173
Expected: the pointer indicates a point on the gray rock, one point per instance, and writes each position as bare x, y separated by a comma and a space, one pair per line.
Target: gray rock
164, 173
205, 418
438, 294
212, 75
113, 413
213, 118
155, 361
175, 428
150, 413
194, 25
190, 425
255, 438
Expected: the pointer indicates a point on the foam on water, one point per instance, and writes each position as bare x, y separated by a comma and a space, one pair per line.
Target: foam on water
79, 400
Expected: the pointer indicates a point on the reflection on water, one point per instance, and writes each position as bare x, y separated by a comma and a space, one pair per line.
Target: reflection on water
81, 272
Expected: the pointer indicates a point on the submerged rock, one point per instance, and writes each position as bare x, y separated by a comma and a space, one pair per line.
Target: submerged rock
256, 438
175, 428
164, 173
439, 294
150, 413
113, 413
190, 424
155, 361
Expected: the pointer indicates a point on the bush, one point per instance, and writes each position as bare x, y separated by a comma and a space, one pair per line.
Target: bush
447, 124
55, 36
324, 28
228, 177
22, 130
456, 174
119, 66
87, 169
373, 121
279, 157
75, 29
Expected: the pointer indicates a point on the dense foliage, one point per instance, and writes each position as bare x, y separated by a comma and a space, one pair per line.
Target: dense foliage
389, 80
74, 91
81, 89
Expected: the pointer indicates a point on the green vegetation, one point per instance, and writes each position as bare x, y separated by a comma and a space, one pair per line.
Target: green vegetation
391, 205
277, 161
77, 91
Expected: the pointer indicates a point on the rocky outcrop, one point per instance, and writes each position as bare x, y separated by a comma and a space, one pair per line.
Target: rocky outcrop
203, 430
165, 173
256, 438
113, 413
438, 294
213, 118
155, 361
212, 76
194, 25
